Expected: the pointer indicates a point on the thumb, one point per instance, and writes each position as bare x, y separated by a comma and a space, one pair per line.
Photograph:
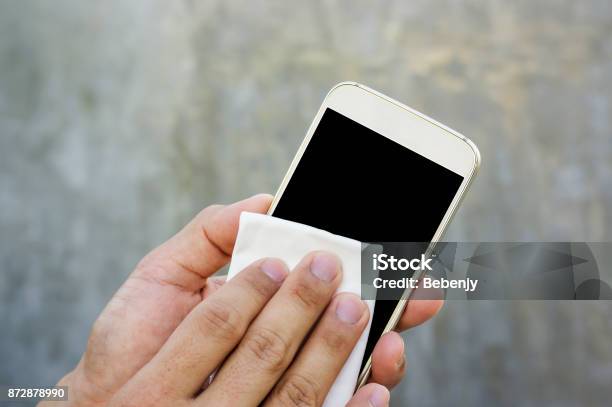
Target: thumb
202, 247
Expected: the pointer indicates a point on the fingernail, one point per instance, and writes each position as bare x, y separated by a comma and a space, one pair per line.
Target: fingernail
379, 397
325, 266
350, 309
275, 269
401, 363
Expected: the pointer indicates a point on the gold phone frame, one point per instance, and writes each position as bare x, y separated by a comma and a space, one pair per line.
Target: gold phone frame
412, 130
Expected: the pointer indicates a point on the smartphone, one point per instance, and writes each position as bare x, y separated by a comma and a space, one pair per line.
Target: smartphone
373, 169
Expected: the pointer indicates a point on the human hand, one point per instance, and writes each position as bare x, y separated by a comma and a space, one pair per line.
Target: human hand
170, 325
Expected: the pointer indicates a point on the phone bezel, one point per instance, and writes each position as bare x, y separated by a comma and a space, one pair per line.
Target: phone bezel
411, 129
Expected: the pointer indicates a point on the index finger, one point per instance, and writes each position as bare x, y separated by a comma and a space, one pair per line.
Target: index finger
208, 334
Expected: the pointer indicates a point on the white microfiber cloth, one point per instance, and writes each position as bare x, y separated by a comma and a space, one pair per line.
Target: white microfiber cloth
266, 236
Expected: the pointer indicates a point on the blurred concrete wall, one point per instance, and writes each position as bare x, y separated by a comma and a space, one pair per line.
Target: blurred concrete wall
119, 120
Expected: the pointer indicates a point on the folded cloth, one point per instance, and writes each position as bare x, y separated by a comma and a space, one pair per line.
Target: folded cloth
266, 236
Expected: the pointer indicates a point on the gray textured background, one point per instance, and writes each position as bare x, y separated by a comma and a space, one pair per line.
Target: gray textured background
119, 120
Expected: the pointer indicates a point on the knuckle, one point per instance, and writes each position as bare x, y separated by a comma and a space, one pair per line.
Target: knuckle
257, 286
334, 340
298, 390
208, 211
221, 320
99, 330
306, 295
269, 349
146, 261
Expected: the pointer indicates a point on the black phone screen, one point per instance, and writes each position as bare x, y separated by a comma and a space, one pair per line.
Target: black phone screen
354, 182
